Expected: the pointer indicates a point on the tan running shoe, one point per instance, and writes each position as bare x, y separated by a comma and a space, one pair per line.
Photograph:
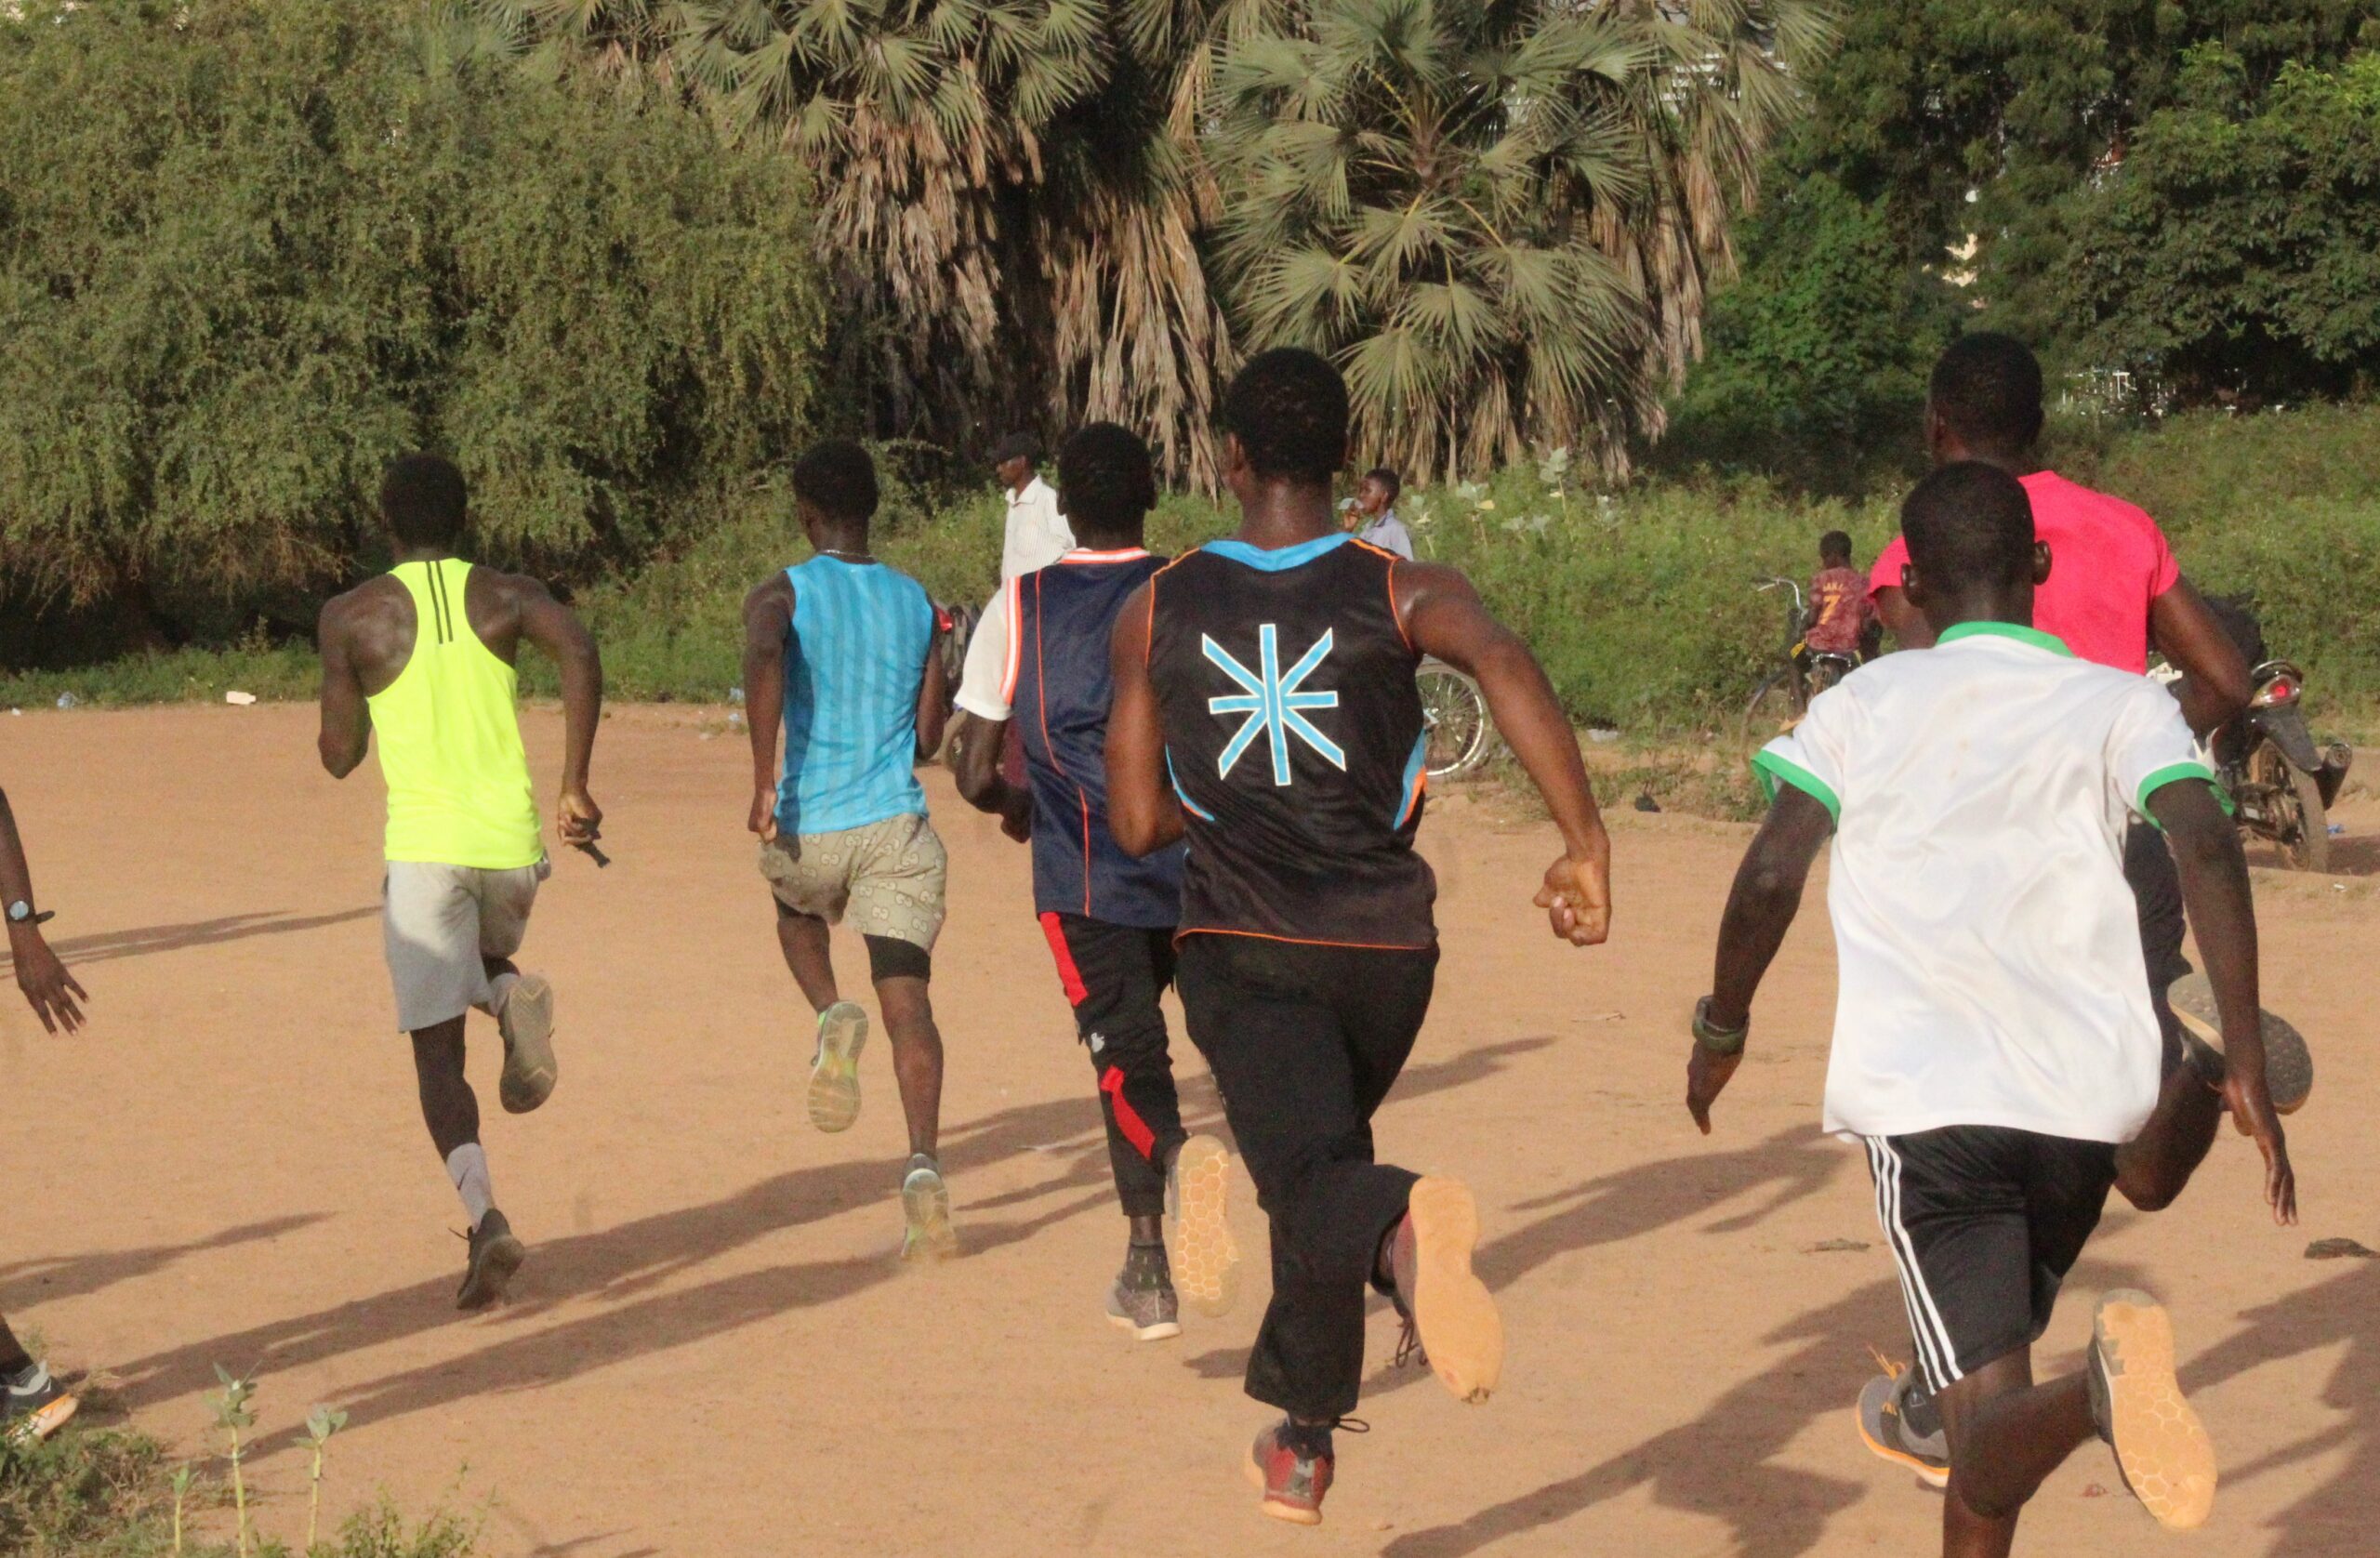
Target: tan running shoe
925, 1203
527, 1024
2162, 1448
834, 1075
1198, 1245
1450, 1316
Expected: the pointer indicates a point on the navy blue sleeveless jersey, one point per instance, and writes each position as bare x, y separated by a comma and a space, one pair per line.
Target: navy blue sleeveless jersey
1294, 737
1064, 618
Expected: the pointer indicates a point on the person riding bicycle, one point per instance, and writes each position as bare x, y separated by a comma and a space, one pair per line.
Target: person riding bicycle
1842, 620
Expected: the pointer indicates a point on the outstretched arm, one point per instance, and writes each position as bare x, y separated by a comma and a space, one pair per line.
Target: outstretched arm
1143, 812
2215, 674
2223, 916
1761, 906
347, 718
768, 624
1443, 616
555, 629
49, 987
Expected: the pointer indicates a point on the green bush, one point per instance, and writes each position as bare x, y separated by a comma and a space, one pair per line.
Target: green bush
251, 248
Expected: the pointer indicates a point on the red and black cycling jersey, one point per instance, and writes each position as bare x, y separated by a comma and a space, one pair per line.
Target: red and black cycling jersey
1293, 734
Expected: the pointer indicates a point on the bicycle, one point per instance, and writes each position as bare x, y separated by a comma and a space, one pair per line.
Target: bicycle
1457, 734
1784, 697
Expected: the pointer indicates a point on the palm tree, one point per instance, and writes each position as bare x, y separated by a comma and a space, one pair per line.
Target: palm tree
1499, 216
1008, 195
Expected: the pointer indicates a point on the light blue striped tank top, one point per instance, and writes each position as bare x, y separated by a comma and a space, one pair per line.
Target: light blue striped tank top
852, 671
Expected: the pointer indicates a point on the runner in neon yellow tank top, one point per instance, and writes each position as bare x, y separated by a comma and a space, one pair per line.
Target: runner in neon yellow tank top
424, 655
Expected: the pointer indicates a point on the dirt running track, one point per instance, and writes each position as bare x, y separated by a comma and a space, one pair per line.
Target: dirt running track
713, 1351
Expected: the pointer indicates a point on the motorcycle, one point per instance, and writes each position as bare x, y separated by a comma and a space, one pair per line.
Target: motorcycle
2282, 784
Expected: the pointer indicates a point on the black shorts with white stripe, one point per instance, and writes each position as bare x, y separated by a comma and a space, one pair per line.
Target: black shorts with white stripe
1984, 1222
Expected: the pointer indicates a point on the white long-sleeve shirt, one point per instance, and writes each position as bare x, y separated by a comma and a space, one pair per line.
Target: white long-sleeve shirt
1037, 534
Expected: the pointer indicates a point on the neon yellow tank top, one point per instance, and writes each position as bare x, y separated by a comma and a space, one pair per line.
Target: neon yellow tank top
450, 739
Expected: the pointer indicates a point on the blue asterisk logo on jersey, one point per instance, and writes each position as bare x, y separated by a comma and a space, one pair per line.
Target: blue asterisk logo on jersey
1273, 703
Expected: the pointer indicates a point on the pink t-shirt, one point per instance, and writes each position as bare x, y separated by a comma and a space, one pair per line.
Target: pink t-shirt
2107, 561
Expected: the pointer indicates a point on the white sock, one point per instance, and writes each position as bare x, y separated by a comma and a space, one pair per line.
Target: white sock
499, 990
466, 1166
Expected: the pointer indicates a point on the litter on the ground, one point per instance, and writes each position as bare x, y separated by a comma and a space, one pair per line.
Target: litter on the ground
2334, 1249
239, 699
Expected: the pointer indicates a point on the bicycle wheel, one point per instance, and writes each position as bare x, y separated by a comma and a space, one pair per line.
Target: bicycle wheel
1454, 719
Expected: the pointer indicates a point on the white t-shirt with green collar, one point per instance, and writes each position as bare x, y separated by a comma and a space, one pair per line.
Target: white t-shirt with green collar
1989, 949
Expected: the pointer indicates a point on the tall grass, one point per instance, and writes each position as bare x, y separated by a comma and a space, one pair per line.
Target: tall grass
1640, 601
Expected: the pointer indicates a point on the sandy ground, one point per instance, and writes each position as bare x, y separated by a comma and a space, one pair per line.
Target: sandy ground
713, 1350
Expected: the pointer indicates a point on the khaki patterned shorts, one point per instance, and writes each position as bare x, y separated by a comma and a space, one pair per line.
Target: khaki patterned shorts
886, 877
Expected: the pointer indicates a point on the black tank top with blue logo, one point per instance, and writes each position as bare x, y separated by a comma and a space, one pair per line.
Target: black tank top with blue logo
1294, 737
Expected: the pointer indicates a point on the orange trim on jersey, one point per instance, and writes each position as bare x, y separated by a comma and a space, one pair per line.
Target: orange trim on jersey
1015, 645
1395, 612
1188, 931
1420, 783
1122, 554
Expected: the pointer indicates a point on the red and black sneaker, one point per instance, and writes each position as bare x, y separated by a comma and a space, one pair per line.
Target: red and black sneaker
1290, 1464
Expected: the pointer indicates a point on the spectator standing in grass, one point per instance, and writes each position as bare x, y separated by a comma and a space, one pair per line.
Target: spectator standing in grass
1037, 534
1371, 513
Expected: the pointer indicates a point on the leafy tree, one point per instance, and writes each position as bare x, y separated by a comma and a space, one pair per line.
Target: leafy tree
1503, 219
250, 248
1019, 196
1009, 193
1818, 352
2237, 251
2007, 122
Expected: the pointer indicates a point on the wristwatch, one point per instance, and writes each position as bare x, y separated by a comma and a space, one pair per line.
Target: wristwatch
22, 913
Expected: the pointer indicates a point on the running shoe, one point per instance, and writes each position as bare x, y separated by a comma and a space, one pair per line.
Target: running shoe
1141, 1299
1884, 1428
2289, 1065
1450, 1317
496, 1256
527, 1024
33, 1404
834, 1076
925, 1202
1292, 1470
1198, 1244
2162, 1448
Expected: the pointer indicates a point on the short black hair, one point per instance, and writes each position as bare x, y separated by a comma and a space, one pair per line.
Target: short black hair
1017, 446
1386, 477
1987, 388
1105, 478
1288, 407
1969, 526
836, 477
1835, 543
424, 500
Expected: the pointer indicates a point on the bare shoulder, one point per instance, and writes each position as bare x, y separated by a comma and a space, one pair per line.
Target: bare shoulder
374, 600
513, 588
774, 589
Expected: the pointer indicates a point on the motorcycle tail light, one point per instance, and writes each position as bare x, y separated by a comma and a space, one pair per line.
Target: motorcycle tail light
2281, 690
